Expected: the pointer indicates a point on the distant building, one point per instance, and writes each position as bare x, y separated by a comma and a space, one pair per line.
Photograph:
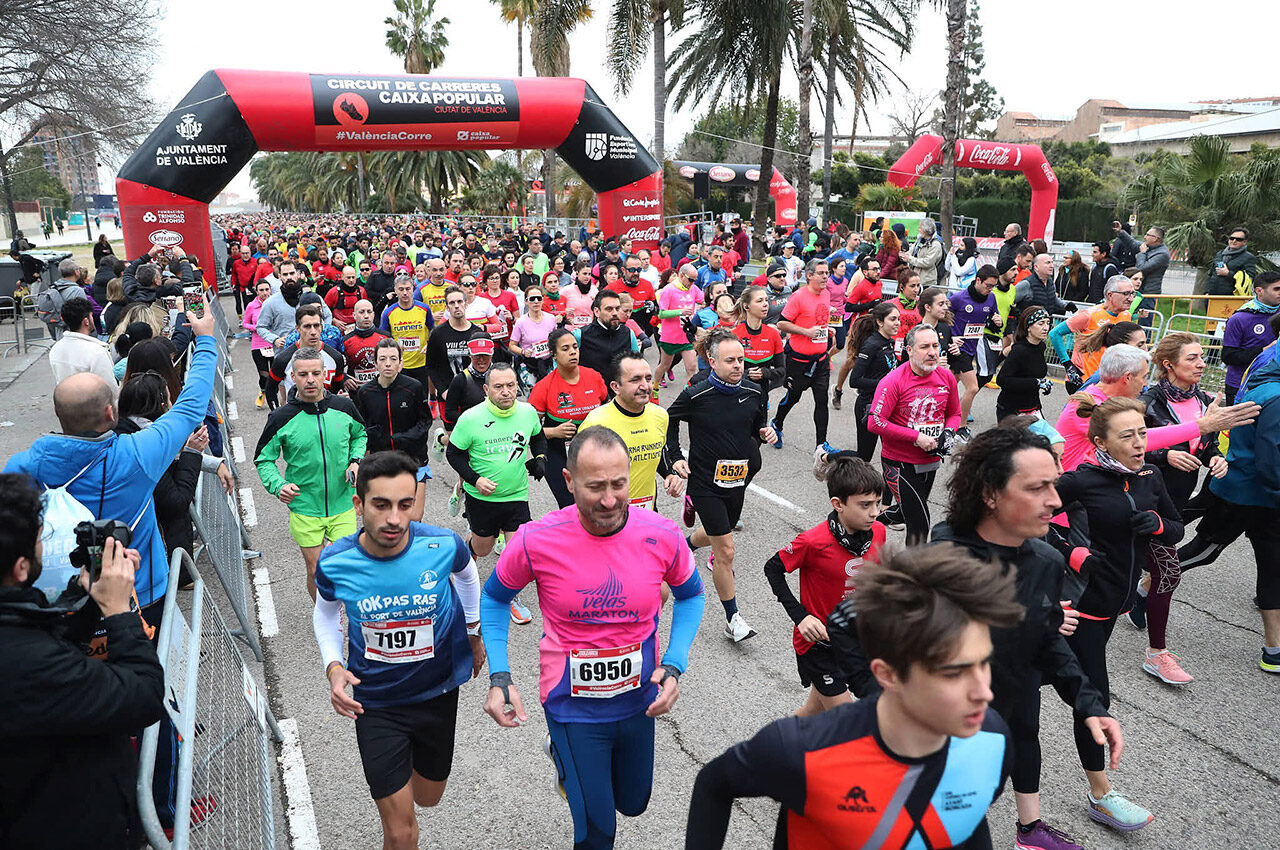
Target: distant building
1240, 131
71, 156
1112, 121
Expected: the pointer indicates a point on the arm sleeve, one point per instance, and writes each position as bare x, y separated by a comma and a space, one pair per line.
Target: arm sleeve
495, 601
264, 458
1171, 435
453, 399
776, 573
326, 623
461, 463
1058, 338
842, 631
467, 583
688, 602
1238, 356
157, 446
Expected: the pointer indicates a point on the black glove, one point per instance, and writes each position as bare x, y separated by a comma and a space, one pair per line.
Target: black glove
1146, 523
1046, 386
537, 467
1071, 308
945, 443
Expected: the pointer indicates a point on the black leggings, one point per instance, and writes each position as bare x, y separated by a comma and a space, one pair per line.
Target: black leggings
1222, 525
911, 488
1020, 709
556, 461
262, 362
807, 374
1089, 643
867, 439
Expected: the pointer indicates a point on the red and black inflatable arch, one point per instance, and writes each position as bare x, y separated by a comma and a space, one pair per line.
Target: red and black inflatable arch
165, 187
991, 156
741, 174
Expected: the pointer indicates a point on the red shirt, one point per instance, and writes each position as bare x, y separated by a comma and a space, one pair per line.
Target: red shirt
660, 262
808, 311
504, 299
554, 306
759, 347
828, 573
866, 291
559, 400
343, 304
642, 293
362, 356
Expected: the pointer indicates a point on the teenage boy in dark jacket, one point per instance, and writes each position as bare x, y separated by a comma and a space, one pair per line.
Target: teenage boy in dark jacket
397, 415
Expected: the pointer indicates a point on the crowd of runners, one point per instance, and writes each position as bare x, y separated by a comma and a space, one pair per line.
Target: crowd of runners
523, 358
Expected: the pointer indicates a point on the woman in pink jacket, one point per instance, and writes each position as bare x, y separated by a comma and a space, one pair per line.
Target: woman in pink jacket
259, 347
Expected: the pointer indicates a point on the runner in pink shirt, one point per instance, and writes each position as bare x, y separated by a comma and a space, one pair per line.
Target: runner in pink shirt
677, 302
599, 565
579, 296
916, 411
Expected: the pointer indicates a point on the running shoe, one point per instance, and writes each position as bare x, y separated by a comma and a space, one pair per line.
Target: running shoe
737, 629
500, 543
546, 748
1042, 837
970, 419
836, 395
1165, 667
1138, 613
519, 614
249, 554
1118, 812
892, 518
455, 503
437, 442
737, 526
820, 462
662, 384
1270, 661
963, 434
262, 400
688, 516
777, 429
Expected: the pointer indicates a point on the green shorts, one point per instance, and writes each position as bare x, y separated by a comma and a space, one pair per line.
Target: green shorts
674, 348
308, 531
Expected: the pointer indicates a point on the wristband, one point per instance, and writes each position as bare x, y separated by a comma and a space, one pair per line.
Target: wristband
329, 669
473, 631
502, 680
669, 671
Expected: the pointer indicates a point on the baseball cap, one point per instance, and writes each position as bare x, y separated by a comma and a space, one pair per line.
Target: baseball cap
776, 266
480, 346
612, 246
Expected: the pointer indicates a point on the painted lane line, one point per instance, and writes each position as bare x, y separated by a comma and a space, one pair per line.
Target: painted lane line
237, 449
232, 413
230, 384
299, 810
270, 627
776, 499
248, 510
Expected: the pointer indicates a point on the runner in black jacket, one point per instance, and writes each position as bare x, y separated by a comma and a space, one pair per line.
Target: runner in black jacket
395, 407
872, 336
1023, 375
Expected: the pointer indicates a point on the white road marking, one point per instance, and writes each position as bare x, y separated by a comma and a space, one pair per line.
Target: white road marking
247, 509
776, 499
299, 810
232, 413
237, 449
230, 384
266, 603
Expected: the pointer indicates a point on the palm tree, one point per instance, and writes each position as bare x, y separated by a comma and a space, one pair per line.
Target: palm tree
758, 34
804, 59
886, 196
415, 37
552, 22
520, 13
497, 186
630, 24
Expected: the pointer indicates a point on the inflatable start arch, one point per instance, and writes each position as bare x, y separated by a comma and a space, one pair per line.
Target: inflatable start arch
742, 174
165, 187
992, 156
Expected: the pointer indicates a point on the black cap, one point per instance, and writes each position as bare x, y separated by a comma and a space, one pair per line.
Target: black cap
776, 266
611, 247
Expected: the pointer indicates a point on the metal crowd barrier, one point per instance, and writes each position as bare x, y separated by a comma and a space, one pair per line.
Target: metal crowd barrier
223, 723
1208, 332
223, 540
28, 329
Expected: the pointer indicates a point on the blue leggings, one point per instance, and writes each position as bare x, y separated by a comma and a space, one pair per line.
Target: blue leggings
606, 768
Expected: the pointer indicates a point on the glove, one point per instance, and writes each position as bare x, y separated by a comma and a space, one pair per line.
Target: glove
945, 443
1146, 523
537, 467
1046, 386
1071, 308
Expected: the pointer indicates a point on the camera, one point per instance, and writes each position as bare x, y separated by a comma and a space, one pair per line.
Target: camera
91, 537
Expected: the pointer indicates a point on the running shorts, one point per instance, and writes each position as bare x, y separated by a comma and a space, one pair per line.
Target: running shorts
719, 514
960, 363
308, 531
674, 348
486, 519
819, 667
397, 740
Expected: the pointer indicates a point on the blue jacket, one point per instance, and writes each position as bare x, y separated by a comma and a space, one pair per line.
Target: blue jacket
1253, 459
121, 487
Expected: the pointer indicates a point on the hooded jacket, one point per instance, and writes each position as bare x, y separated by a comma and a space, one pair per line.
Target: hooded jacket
396, 418
128, 467
1253, 459
65, 724
1020, 655
319, 440
1248, 331
1237, 260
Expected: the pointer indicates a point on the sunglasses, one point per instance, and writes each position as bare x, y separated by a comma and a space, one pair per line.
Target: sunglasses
534, 298
472, 283
1235, 239
779, 274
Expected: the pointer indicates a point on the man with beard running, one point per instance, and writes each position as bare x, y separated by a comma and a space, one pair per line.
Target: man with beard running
916, 411
606, 337
360, 347
726, 416
309, 328
344, 298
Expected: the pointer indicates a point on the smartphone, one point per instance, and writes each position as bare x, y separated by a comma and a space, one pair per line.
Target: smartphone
194, 300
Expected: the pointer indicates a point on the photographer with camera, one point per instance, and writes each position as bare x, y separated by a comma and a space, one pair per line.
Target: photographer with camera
67, 767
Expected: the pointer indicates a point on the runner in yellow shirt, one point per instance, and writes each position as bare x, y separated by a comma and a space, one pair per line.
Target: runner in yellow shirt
409, 322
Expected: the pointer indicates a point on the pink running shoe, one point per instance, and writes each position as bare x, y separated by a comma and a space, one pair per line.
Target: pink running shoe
1165, 667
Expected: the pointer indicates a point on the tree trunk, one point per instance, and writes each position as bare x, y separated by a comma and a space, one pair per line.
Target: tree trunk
951, 115
760, 212
829, 128
520, 47
804, 158
8, 193
659, 80
549, 184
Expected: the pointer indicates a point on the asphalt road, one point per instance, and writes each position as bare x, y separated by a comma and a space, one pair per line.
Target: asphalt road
1199, 756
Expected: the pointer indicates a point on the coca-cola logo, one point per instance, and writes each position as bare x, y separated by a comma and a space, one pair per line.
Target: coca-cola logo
993, 156
1048, 172
688, 172
639, 202
924, 164
721, 174
753, 174
648, 234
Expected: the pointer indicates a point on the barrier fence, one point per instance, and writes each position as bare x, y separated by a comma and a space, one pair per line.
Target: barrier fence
223, 725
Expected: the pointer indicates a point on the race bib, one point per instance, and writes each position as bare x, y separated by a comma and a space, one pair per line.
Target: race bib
541, 349
930, 429
580, 320
836, 319
646, 502
604, 673
897, 348
364, 376
730, 473
995, 344
398, 641
501, 333
972, 331
411, 343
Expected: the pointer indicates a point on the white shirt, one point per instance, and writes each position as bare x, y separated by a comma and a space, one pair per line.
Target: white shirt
77, 352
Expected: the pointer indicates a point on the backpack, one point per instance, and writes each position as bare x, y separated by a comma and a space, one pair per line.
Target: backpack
49, 306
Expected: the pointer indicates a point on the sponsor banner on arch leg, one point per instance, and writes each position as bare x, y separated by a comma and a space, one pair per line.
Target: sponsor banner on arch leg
354, 111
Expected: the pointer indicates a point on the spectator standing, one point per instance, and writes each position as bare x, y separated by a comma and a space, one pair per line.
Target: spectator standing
1151, 257
927, 254
1233, 267
1013, 240
962, 264
887, 256
1073, 279
49, 303
1249, 330
79, 349
1104, 268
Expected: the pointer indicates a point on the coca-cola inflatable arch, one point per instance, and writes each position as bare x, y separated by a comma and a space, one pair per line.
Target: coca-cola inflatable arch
741, 174
992, 156
165, 187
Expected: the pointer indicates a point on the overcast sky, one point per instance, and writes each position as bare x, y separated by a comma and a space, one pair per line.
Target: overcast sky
1039, 62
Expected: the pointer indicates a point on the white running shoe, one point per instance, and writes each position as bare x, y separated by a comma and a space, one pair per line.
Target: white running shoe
546, 748
738, 630
437, 442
